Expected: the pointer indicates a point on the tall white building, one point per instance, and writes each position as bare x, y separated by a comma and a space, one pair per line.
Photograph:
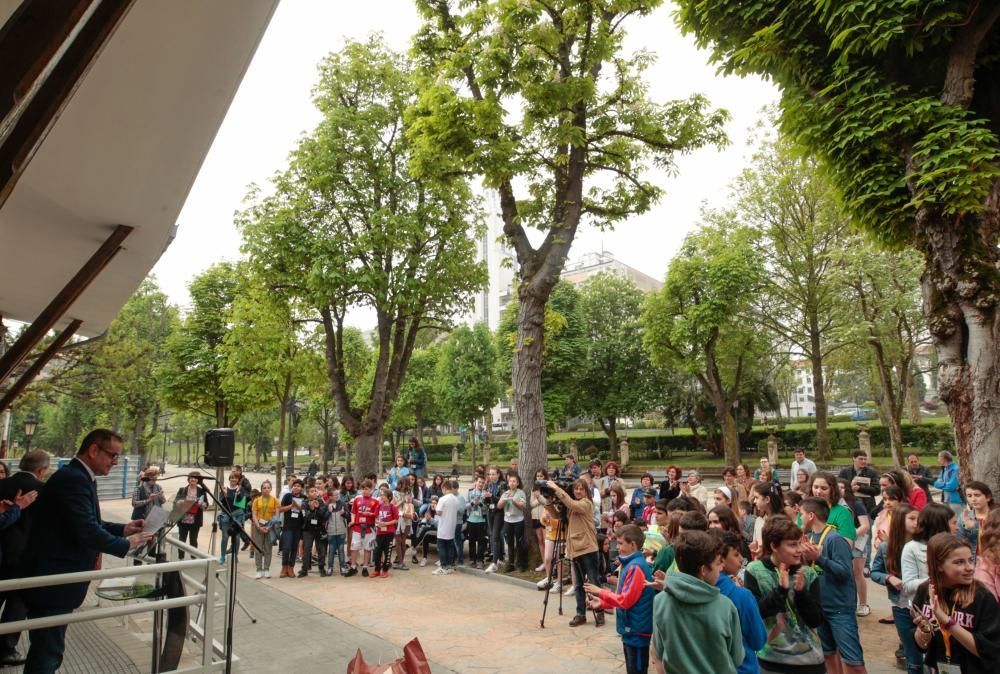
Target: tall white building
801, 402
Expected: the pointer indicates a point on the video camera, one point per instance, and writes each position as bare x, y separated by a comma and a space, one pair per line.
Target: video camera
564, 483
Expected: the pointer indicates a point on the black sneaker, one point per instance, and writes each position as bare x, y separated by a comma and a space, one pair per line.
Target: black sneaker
364, 572
353, 572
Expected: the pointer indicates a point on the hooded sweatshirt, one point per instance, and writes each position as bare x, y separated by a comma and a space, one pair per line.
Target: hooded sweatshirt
751, 624
696, 630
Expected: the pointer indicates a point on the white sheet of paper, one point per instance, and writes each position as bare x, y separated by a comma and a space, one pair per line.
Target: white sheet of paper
156, 518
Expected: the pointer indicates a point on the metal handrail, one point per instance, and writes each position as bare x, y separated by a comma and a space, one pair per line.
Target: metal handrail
204, 598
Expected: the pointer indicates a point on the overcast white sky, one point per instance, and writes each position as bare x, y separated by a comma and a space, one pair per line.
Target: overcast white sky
273, 107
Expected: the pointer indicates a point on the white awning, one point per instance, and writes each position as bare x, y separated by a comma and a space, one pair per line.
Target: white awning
126, 150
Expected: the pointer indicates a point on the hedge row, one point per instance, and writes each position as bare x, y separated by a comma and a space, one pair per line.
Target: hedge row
930, 438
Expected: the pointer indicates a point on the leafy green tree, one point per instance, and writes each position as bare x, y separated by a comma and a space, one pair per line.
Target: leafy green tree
615, 375
128, 357
267, 353
795, 208
700, 322
193, 371
418, 401
883, 288
348, 226
541, 101
467, 383
899, 101
561, 356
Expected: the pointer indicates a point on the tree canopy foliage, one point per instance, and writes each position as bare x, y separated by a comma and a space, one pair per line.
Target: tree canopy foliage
349, 226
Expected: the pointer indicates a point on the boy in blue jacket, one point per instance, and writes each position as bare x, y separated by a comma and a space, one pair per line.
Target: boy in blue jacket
751, 624
831, 555
633, 602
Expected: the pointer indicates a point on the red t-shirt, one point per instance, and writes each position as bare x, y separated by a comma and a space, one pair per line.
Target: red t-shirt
648, 513
387, 512
363, 512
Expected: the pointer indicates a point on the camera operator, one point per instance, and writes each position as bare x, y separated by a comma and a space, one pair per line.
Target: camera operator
581, 544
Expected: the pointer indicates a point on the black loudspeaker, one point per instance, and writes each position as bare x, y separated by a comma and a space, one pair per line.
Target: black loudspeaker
220, 447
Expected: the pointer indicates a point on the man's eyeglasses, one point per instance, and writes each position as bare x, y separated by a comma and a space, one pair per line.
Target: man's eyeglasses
114, 455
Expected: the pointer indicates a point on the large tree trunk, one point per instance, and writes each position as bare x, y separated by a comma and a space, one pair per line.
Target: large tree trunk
961, 291
819, 393
610, 427
527, 382
912, 404
368, 449
730, 435
279, 466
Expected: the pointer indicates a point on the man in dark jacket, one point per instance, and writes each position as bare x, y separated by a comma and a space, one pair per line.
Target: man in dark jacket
67, 536
921, 474
863, 480
33, 467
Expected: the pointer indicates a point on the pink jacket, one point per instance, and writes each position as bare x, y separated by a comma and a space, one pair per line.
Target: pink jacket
988, 574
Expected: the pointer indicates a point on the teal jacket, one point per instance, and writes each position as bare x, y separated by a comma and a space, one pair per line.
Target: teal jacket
696, 630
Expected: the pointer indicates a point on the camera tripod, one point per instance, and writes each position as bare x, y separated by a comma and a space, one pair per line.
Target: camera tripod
555, 564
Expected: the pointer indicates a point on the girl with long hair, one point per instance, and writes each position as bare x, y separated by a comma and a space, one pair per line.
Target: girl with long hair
915, 495
767, 502
988, 559
892, 497
887, 571
824, 485
722, 517
935, 519
958, 620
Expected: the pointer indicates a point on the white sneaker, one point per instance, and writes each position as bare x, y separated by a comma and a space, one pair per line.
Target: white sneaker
267, 573
423, 562
437, 563
439, 572
543, 584
260, 574
570, 592
491, 568
447, 571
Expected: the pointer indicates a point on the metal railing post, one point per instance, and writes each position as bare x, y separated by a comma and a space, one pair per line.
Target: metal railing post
207, 655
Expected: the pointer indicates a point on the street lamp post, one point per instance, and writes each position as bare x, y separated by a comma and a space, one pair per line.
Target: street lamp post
30, 426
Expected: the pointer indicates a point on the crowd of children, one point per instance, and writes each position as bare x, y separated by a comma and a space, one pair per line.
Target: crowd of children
752, 576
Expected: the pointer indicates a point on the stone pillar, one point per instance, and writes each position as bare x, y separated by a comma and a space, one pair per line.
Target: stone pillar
572, 450
486, 453
772, 447
454, 455
623, 451
864, 440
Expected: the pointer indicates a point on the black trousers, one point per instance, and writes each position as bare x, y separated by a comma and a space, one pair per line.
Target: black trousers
13, 610
383, 546
477, 541
312, 539
513, 534
496, 535
187, 533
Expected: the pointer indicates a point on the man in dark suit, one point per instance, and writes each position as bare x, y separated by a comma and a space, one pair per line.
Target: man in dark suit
32, 469
67, 536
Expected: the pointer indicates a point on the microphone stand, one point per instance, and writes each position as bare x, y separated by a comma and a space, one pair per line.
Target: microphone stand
236, 534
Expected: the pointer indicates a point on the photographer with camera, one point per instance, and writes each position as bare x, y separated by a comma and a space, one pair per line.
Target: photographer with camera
581, 543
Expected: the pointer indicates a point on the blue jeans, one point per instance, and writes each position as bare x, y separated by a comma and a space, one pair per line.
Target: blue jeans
45, 654
290, 545
238, 516
905, 629
335, 548
587, 568
446, 552
636, 659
